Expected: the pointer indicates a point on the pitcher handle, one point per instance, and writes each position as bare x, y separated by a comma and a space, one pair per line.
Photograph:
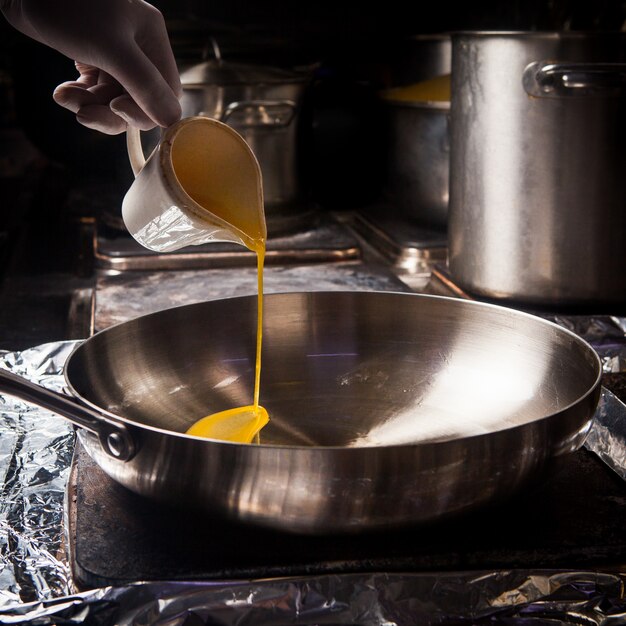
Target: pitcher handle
135, 149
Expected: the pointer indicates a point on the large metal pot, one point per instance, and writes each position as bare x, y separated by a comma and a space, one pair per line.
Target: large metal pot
263, 104
418, 143
386, 408
538, 154
418, 160
420, 57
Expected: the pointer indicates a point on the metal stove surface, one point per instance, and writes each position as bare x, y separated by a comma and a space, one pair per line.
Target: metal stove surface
320, 238
411, 248
573, 519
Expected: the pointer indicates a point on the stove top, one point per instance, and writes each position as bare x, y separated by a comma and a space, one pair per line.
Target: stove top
573, 519
410, 247
320, 238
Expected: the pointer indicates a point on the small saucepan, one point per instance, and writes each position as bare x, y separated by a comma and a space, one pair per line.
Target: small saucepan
386, 409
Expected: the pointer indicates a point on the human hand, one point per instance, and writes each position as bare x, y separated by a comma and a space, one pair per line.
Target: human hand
127, 72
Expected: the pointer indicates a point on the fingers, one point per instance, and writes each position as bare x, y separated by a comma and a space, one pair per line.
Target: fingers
148, 88
127, 109
74, 95
90, 97
101, 118
89, 75
137, 77
100, 102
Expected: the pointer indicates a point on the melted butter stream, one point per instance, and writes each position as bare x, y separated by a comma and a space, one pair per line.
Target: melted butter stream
241, 424
234, 195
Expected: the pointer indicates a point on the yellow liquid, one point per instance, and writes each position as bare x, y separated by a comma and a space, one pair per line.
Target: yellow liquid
241, 424
432, 90
234, 195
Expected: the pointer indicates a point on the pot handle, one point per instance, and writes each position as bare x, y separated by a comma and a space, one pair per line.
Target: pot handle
260, 113
554, 80
115, 438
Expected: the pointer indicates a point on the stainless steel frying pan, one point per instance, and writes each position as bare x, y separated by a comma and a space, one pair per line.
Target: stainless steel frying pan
386, 408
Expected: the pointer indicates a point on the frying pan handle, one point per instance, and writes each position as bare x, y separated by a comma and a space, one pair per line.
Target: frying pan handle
114, 437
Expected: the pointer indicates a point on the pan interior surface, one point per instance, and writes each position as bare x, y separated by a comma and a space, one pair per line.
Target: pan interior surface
346, 369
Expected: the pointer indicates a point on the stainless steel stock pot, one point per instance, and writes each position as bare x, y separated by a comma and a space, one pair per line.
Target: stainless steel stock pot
537, 208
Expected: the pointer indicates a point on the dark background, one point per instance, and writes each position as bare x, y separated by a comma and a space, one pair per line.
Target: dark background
52, 169
351, 42
350, 48
354, 42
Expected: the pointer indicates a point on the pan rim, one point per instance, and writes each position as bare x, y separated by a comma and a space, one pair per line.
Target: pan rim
592, 389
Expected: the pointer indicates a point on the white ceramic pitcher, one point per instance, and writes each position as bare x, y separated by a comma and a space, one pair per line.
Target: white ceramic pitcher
202, 183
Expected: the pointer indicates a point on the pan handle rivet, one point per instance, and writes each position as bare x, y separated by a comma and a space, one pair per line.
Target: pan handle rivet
117, 445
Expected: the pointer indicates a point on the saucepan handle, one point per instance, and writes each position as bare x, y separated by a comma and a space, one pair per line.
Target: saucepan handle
114, 436
260, 113
556, 80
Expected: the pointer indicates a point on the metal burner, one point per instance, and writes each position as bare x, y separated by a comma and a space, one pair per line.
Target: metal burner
411, 248
442, 283
322, 238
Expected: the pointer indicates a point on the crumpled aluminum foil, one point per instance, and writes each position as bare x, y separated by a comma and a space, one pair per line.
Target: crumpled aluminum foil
607, 437
512, 597
607, 335
36, 447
